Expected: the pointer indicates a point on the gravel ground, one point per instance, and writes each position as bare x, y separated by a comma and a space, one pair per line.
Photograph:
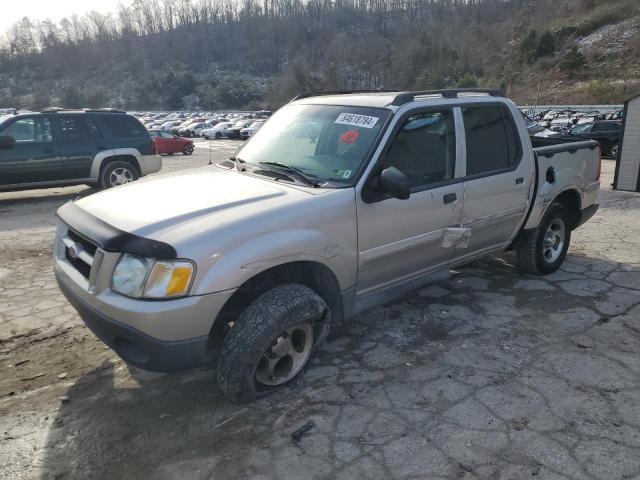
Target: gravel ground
490, 375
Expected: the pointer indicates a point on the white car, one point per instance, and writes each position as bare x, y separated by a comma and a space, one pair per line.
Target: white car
251, 129
167, 125
217, 131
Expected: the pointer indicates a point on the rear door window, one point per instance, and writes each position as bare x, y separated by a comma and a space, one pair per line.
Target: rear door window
606, 127
492, 140
73, 128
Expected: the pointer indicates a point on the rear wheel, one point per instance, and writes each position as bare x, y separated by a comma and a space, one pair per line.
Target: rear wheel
542, 250
118, 173
271, 342
218, 135
188, 149
615, 150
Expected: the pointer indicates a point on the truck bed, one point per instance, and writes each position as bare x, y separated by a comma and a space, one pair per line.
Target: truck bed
566, 166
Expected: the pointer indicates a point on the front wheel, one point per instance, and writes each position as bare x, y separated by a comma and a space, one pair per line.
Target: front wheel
188, 149
271, 342
118, 173
542, 250
218, 135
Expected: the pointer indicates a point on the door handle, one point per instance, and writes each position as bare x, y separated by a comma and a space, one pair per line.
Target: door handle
49, 151
449, 198
519, 180
101, 147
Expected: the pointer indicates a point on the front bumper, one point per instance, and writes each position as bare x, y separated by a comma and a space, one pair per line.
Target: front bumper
138, 349
163, 336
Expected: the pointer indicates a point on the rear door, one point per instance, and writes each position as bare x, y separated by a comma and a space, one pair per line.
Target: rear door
498, 178
81, 139
34, 156
400, 240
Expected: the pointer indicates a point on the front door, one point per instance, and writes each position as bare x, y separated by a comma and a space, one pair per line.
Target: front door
498, 179
400, 240
33, 158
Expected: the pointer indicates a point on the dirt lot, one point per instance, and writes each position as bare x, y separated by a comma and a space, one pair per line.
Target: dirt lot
491, 375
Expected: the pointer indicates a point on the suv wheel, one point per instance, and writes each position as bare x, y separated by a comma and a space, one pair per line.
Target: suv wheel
118, 173
542, 250
615, 149
218, 135
271, 342
188, 149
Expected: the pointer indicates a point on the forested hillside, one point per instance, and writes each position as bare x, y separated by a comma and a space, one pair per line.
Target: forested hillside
212, 54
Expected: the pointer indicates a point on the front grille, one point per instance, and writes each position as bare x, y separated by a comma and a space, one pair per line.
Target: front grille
78, 264
88, 247
79, 252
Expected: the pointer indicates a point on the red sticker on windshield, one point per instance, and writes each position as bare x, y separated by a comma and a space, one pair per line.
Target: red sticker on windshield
350, 137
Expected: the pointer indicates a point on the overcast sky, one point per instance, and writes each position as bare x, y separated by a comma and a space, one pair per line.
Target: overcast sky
14, 10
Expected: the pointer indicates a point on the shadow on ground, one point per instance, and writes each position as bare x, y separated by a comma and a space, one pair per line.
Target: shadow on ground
489, 375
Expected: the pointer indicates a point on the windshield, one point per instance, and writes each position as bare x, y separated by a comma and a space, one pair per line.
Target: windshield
327, 142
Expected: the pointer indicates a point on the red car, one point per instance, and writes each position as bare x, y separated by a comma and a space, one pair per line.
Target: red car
167, 142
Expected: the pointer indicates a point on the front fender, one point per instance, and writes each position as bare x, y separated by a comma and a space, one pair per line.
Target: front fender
231, 270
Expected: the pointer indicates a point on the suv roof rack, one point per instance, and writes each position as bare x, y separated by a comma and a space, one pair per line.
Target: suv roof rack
93, 110
338, 92
407, 97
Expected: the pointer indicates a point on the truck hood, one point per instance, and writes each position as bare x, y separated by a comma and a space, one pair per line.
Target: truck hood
166, 202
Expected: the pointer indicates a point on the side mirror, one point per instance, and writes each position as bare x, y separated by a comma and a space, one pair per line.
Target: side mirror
395, 183
7, 141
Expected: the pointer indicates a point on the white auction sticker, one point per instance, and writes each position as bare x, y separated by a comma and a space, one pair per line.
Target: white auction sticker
357, 120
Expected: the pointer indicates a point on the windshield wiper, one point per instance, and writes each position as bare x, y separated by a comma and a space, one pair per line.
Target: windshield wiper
284, 168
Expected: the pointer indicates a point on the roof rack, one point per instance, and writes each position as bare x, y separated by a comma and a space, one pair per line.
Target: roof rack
406, 97
338, 92
93, 110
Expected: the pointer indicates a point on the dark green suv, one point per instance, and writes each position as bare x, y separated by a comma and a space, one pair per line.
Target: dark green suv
62, 147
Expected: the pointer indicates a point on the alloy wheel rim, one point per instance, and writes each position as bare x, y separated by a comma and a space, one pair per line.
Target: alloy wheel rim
286, 356
120, 176
553, 241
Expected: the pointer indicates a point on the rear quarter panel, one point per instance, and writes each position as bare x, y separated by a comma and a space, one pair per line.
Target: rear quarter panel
576, 167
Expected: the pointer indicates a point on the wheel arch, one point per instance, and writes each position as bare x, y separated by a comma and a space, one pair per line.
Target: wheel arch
102, 159
312, 274
572, 200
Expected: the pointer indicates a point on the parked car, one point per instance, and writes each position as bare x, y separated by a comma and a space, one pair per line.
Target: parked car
605, 132
169, 143
234, 131
168, 125
59, 147
218, 131
255, 258
250, 130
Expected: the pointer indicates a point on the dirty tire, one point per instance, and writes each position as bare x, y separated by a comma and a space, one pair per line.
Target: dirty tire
530, 247
255, 331
120, 167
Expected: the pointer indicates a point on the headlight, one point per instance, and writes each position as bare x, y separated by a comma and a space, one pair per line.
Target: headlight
144, 277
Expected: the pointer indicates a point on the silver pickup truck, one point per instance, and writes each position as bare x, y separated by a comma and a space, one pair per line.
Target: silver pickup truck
340, 202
